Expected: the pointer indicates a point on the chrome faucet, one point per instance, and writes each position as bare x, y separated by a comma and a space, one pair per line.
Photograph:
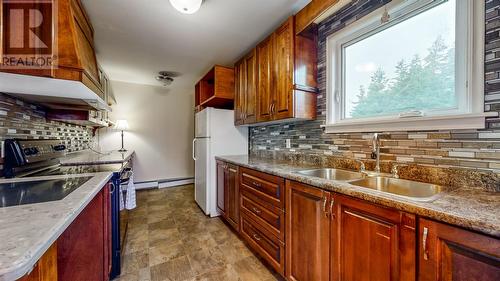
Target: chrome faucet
376, 151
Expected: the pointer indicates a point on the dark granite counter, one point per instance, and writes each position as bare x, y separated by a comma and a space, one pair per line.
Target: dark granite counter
472, 207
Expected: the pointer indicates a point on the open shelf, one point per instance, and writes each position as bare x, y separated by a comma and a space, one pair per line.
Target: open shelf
215, 89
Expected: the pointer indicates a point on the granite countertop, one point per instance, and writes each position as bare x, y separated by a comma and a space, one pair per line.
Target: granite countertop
472, 208
90, 157
27, 231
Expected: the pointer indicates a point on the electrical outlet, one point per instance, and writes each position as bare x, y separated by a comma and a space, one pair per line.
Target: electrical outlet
288, 143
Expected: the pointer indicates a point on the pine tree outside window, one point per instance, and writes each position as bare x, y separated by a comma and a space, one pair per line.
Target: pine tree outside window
423, 69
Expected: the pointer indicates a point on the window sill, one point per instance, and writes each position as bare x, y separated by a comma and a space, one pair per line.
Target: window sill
452, 122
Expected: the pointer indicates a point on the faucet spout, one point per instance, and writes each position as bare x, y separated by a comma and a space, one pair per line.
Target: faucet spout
376, 151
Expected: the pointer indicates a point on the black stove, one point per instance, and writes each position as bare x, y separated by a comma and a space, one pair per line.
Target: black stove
38, 158
30, 192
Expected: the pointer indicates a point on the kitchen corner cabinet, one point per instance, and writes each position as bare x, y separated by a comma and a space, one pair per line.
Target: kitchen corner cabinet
228, 193
307, 233
287, 73
449, 253
46, 268
246, 89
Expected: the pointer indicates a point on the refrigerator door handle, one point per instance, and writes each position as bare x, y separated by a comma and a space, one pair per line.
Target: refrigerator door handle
194, 148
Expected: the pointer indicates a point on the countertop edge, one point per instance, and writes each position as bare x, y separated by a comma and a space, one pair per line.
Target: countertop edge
21, 268
67, 161
377, 198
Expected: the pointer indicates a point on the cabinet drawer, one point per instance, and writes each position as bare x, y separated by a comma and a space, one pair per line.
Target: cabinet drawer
266, 187
268, 216
265, 244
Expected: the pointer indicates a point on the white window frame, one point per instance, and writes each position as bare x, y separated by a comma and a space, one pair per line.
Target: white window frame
469, 82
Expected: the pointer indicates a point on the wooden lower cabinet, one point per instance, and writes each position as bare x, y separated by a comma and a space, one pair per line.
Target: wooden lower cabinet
228, 194
82, 249
370, 242
307, 233
448, 253
46, 268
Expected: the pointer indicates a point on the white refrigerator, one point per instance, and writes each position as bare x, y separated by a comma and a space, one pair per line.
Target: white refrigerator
215, 135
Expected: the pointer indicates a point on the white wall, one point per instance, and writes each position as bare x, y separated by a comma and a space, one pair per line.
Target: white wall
161, 129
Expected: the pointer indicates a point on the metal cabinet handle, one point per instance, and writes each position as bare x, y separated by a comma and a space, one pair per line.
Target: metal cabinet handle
257, 211
332, 201
424, 243
256, 184
113, 187
324, 204
256, 237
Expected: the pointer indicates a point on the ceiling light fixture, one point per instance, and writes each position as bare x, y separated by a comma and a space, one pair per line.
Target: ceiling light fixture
186, 6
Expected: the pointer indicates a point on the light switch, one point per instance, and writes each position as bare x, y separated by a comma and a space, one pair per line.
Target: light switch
288, 143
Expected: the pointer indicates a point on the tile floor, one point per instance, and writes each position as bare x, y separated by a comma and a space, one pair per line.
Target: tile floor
170, 239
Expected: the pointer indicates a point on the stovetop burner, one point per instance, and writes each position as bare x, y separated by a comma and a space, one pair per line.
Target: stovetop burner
30, 192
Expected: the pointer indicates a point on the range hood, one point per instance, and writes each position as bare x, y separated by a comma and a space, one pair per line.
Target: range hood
51, 92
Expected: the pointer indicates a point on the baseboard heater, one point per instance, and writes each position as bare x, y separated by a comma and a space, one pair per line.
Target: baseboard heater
163, 183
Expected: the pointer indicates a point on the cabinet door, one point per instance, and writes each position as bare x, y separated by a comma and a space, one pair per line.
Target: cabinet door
240, 93
449, 253
265, 79
307, 233
46, 267
284, 65
232, 197
80, 247
368, 243
251, 87
221, 185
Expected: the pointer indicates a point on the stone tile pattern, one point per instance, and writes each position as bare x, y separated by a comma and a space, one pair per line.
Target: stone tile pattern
476, 149
169, 238
22, 120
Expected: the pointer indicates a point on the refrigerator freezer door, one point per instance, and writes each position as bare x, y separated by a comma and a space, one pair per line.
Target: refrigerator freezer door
202, 125
202, 164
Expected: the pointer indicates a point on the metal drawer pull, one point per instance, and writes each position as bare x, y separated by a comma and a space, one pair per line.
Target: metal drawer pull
331, 207
256, 237
424, 243
256, 184
257, 211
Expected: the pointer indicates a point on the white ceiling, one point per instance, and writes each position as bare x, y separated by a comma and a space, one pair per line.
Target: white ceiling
137, 38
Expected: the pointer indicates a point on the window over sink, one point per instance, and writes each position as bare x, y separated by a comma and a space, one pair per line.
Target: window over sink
411, 65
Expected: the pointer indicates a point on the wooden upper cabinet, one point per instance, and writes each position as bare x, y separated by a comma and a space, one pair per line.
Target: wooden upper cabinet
251, 87
287, 68
307, 233
216, 89
448, 253
265, 89
371, 242
239, 92
284, 64
245, 72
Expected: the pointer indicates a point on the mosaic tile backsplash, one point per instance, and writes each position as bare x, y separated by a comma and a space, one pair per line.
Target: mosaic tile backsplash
476, 149
22, 120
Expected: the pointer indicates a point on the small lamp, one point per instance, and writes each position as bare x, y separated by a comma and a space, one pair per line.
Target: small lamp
121, 125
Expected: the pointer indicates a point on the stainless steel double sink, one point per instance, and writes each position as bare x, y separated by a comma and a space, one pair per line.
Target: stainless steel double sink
405, 188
